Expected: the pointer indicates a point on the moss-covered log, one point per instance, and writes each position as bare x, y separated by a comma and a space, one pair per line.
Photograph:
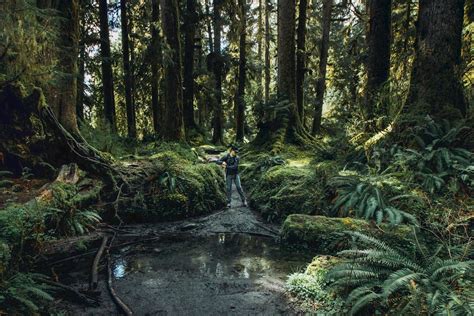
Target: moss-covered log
325, 235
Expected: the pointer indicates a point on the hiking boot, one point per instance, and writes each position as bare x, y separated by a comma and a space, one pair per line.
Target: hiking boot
228, 205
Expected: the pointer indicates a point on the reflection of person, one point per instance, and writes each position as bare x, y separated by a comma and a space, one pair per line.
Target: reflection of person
231, 164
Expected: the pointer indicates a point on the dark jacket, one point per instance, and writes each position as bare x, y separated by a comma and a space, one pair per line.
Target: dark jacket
232, 167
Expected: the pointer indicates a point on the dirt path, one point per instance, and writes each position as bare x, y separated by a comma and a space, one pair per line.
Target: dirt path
231, 265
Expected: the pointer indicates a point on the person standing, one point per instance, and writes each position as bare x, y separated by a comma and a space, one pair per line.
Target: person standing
231, 164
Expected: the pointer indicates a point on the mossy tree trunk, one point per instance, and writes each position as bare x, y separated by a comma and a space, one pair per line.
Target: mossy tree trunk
217, 136
127, 73
156, 61
173, 124
435, 86
378, 43
240, 96
267, 51
190, 25
107, 75
301, 57
323, 61
66, 92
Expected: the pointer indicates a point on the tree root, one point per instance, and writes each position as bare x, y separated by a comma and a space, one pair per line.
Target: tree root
95, 265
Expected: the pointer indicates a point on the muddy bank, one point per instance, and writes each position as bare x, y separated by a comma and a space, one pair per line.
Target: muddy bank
229, 262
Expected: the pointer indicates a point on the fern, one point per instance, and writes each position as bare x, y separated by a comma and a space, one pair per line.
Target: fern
23, 293
364, 197
380, 276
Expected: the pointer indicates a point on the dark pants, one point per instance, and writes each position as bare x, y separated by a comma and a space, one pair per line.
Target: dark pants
228, 185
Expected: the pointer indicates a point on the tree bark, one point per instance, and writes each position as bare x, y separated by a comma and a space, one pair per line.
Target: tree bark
300, 57
131, 124
155, 61
240, 96
173, 124
66, 93
217, 136
286, 50
379, 43
82, 70
260, 44
435, 86
267, 51
107, 75
190, 25
323, 61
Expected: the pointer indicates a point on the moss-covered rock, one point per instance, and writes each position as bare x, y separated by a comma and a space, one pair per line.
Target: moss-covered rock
325, 235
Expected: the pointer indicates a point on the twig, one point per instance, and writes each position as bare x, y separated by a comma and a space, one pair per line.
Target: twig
95, 265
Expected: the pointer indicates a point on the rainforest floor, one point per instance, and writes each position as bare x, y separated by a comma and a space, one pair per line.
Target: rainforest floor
229, 262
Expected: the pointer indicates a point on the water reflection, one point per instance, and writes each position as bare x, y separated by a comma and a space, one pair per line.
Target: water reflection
219, 256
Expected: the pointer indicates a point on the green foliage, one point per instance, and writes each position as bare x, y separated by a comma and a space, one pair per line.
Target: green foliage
437, 159
62, 216
21, 293
311, 288
383, 278
20, 224
324, 234
366, 197
180, 187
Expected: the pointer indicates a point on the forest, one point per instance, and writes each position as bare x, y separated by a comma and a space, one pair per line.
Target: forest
127, 126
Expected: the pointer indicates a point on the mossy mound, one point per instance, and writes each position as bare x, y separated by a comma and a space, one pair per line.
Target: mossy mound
325, 235
277, 188
180, 187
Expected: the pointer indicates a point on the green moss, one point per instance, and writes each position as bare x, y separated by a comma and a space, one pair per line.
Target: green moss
181, 188
326, 235
5, 256
283, 189
311, 288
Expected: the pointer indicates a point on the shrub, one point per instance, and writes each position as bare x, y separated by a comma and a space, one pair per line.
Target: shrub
21, 294
383, 278
311, 289
365, 197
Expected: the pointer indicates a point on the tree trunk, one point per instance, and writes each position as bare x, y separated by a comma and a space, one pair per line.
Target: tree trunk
267, 51
435, 86
378, 59
190, 25
286, 50
66, 93
155, 61
131, 125
323, 61
240, 97
82, 70
300, 57
173, 125
260, 33
217, 136
209, 27
107, 76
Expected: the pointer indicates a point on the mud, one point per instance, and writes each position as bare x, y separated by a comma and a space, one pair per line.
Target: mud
230, 263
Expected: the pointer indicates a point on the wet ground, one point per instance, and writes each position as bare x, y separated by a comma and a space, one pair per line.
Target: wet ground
229, 263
